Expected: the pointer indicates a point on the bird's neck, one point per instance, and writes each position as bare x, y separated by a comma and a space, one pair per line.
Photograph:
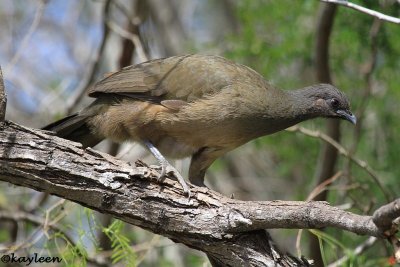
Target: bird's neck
292, 106
302, 102
276, 111
289, 108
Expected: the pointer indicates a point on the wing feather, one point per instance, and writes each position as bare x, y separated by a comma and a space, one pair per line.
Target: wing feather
185, 78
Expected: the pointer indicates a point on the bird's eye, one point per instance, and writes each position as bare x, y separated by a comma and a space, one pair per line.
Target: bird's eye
334, 103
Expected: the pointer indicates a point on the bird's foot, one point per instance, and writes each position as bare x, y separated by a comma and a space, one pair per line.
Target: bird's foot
167, 168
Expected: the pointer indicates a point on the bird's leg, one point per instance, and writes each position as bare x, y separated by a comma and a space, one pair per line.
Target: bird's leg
166, 167
200, 162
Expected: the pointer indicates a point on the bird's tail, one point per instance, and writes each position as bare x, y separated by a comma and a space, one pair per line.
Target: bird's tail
74, 128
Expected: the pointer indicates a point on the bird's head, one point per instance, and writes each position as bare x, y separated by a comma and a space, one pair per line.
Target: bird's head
329, 102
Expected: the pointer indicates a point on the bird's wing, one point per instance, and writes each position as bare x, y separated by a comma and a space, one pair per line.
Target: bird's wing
180, 78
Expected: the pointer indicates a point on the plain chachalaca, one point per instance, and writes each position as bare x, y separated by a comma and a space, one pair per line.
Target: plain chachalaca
194, 105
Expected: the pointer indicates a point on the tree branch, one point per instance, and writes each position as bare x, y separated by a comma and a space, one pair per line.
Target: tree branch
94, 67
343, 151
227, 229
25, 41
385, 215
364, 10
130, 36
3, 98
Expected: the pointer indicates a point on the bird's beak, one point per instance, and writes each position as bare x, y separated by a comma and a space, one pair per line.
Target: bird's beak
347, 115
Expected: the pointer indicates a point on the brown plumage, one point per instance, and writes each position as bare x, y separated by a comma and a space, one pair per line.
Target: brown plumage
195, 105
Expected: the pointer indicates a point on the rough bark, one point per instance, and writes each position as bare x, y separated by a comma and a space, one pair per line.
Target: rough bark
3, 98
230, 231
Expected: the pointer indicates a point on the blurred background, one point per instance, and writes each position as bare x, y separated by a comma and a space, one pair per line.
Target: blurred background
52, 51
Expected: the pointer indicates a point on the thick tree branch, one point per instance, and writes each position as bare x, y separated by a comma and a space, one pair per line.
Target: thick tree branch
229, 230
385, 215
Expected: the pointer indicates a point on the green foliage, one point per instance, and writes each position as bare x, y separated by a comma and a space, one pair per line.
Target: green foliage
122, 250
330, 241
333, 248
4, 235
72, 255
275, 38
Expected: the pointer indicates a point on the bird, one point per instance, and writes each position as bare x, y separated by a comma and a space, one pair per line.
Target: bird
201, 106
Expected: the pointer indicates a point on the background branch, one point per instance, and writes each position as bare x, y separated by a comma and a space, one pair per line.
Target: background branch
343, 151
27, 37
94, 67
364, 10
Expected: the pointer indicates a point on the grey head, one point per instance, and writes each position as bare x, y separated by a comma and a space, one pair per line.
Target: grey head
325, 100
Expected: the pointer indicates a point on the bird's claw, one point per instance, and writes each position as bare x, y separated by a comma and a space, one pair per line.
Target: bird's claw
166, 167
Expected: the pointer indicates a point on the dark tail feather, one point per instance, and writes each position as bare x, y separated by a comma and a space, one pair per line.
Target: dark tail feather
74, 128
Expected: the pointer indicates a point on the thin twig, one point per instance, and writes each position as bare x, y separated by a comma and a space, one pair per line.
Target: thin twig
134, 20
362, 9
362, 164
37, 202
322, 186
128, 35
37, 220
357, 251
27, 37
59, 216
84, 84
148, 246
40, 221
36, 235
